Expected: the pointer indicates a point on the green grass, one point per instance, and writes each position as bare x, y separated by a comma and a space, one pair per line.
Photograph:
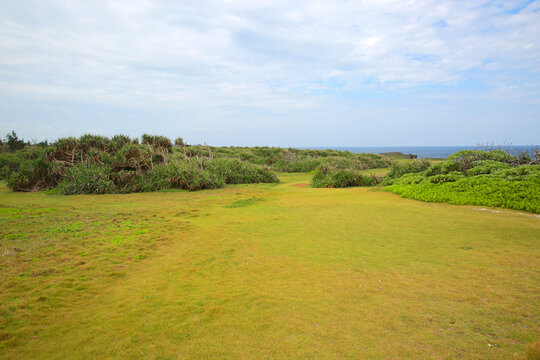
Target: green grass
280, 271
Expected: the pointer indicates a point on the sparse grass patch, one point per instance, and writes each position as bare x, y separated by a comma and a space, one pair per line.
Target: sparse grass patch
244, 202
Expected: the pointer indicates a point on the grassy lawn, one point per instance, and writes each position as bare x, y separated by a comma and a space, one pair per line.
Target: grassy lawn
264, 272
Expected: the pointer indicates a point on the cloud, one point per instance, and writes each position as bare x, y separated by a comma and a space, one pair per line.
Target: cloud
230, 58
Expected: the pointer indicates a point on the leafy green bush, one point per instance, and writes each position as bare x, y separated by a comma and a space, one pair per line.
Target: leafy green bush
487, 167
475, 178
444, 178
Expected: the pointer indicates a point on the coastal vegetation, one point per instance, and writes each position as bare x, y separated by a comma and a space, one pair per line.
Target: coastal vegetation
94, 164
473, 177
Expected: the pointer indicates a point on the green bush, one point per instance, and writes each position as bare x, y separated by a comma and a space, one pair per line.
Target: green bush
8, 162
343, 178
160, 143
400, 169
95, 164
474, 178
87, 179
444, 178
235, 171
29, 170
487, 167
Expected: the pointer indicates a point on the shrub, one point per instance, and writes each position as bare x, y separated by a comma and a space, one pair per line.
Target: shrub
444, 178
235, 171
400, 169
465, 158
179, 142
475, 178
87, 179
160, 143
8, 162
343, 178
183, 175
486, 167
345, 171
29, 170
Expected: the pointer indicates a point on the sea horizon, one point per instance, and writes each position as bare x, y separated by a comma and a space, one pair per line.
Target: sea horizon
421, 151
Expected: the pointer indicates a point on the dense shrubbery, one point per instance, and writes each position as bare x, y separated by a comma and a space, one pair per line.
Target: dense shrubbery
341, 178
345, 172
236, 171
490, 178
99, 165
96, 165
284, 159
399, 169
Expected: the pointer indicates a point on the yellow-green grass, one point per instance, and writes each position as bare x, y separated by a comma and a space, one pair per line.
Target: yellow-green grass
267, 271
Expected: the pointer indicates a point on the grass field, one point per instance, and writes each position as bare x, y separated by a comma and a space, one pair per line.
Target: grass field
270, 271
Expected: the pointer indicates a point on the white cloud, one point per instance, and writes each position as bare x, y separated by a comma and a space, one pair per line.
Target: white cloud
213, 56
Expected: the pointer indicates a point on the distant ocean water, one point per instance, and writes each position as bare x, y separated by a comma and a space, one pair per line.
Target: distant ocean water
420, 151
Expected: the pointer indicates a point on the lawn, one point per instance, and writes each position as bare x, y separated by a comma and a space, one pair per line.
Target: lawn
269, 271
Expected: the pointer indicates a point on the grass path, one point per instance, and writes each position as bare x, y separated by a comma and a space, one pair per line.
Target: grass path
264, 271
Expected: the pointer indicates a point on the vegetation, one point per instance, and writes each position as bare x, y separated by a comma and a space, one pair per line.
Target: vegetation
279, 271
490, 178
346, 172
401, 168
99, 165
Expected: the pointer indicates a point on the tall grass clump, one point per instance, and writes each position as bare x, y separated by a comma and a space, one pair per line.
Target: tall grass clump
235, 171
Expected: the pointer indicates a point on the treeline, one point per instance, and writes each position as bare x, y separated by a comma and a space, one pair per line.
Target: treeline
94, 164
490, 178
12, 143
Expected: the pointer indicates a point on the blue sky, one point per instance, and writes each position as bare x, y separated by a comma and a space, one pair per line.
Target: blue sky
279, 73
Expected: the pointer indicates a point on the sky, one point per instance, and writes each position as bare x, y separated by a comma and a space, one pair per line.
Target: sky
276, 73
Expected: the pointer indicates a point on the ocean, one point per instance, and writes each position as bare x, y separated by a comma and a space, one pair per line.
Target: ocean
420, 151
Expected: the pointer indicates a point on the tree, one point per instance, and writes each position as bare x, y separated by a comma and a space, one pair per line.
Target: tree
13, 142
179, 142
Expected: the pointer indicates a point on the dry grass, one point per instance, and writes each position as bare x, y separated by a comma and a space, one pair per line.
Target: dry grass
297, 273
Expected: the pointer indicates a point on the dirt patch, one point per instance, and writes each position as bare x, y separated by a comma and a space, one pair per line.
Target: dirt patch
301, 185
507, 212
